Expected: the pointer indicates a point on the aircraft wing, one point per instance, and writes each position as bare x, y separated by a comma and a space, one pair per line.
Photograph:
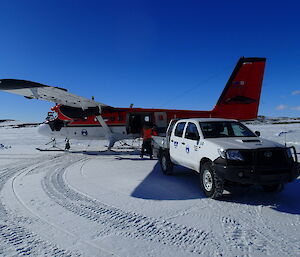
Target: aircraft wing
33, 90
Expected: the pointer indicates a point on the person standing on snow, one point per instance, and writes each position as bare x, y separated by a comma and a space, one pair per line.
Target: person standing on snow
147, 134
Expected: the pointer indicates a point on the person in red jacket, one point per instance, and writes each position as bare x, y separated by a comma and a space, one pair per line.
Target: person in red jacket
147, 134
154, 131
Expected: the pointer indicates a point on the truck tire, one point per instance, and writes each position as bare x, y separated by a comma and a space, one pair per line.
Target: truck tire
211, 184
166, 164
273, 188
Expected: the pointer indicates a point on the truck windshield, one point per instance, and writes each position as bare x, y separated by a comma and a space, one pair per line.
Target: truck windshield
214, 129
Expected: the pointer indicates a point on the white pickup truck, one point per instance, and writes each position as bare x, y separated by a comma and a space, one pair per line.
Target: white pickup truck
224, 152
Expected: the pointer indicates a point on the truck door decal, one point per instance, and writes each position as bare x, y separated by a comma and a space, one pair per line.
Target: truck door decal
187, 149
175, 144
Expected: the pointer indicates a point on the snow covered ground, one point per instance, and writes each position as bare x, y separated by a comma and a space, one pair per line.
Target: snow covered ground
115, 204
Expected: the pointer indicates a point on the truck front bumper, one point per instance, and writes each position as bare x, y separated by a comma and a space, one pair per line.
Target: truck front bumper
257, 175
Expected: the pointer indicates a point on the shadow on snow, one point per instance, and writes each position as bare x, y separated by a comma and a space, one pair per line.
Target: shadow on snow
184, 185
287, 201
106, 152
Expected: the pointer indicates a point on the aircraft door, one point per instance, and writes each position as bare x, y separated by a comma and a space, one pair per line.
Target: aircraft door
136, 122
161, 121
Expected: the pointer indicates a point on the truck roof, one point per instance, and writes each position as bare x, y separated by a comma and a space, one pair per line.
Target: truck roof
206, 119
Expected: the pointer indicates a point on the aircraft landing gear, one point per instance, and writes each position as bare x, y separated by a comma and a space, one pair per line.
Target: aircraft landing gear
110, 141
67, 145
53, 141
53, 147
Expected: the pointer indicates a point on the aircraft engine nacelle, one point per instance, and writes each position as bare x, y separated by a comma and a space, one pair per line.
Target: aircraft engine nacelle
74, 112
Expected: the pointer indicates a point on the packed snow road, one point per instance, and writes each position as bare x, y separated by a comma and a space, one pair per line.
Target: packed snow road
115, 204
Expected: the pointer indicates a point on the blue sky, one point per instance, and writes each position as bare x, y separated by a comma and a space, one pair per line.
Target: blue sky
160, 54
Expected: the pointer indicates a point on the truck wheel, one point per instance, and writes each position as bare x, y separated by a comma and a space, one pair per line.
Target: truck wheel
273, 188
166, 164
211, 184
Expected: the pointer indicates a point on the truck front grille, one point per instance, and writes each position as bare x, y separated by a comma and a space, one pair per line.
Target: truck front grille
263, 157
274, 157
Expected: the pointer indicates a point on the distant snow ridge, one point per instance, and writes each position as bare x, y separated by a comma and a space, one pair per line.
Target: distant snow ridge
281, 133
17, 124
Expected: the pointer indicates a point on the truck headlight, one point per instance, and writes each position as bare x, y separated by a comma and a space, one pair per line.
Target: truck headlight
234, 155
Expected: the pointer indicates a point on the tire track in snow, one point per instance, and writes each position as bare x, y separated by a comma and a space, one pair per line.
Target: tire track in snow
259, 236
127, 224
66, 161
273, 235
249, 234
18, 240
241, 239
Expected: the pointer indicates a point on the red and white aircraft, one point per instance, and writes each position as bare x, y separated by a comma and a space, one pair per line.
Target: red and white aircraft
81, 118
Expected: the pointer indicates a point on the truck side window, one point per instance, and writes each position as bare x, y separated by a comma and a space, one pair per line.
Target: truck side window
179, 129
171, 126
192, 132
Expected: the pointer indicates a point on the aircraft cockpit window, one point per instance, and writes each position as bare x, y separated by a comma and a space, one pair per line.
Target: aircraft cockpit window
51, 116
56, 124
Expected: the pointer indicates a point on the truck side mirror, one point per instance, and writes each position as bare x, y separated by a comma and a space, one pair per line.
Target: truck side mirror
257, 133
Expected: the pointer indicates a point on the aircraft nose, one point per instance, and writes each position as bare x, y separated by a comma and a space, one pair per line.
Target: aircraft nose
44, 129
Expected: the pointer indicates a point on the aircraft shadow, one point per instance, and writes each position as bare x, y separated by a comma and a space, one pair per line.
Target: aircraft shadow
287, 201
109, 153
182, 185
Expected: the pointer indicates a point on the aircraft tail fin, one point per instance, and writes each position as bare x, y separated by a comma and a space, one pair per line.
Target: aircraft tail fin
240, 97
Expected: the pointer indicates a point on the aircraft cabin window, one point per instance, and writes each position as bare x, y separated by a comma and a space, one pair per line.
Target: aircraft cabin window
192, 132
179, 129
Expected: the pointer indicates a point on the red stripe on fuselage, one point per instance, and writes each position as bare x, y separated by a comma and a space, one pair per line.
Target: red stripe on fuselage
118, 116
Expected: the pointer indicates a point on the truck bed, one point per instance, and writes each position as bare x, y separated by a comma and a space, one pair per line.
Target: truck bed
159, 143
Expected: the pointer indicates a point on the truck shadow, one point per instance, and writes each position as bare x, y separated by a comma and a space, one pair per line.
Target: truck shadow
287, 201
182, 185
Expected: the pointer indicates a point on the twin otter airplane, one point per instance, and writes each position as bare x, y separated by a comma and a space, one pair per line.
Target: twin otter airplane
77, 117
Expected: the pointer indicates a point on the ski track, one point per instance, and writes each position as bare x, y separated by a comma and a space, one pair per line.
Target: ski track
18, 240
127, 224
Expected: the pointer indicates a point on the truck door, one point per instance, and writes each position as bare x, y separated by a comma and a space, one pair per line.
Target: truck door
192, 140
177, 144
